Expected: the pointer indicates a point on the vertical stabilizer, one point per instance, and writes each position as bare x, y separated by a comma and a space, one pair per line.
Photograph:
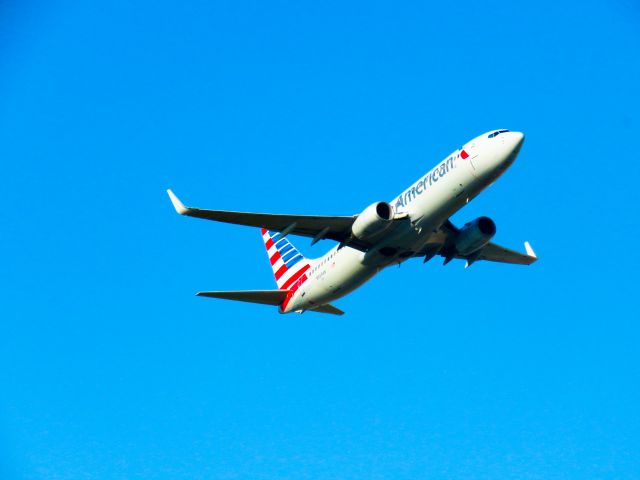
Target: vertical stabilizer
287, 262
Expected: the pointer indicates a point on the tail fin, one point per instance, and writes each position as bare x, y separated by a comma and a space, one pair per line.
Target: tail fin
287, 262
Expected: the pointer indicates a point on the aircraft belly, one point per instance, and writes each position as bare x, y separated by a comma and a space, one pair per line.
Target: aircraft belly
431, 209
341, 278
444, 199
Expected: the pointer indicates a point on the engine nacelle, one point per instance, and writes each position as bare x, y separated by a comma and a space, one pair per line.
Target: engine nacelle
375, 219
475, 235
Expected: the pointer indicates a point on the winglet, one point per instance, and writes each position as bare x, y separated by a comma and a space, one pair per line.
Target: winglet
529, 250
177, 204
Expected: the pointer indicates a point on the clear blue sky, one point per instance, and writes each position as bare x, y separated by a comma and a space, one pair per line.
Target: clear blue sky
113, 369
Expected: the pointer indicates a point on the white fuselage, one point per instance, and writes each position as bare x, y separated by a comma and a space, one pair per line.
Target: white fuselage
428, 203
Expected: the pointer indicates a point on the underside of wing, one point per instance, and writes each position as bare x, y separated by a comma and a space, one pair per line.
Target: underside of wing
444, 245
336, 228
496, 253
265, 297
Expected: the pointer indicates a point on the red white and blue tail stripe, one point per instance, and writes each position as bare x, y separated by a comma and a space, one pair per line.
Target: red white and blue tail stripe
287, 263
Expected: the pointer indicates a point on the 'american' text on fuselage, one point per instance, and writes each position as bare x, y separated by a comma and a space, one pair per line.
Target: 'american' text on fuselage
421, 185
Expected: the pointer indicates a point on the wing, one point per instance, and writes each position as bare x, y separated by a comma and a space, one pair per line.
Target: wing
444, 246
496, 253
318, 227
266, 297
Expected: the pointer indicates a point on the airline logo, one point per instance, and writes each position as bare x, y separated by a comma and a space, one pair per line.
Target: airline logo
429, 179
287, 263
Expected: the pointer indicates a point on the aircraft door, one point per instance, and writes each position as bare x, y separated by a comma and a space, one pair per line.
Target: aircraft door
469, 155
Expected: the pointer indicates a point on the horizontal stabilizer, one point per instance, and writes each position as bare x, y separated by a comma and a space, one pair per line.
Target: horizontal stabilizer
328, 308
266, 297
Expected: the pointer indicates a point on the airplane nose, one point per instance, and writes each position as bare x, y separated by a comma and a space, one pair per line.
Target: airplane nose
512, 143
516, 139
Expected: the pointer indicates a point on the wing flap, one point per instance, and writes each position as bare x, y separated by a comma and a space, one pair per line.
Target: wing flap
265, 297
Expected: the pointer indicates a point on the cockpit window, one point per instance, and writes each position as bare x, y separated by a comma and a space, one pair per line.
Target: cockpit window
495, 134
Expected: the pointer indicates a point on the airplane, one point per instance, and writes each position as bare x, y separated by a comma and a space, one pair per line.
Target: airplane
414, 224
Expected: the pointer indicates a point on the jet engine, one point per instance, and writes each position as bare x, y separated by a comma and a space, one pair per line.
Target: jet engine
375, 219
475, 235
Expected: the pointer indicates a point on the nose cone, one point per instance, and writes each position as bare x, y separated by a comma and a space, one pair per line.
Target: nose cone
514, 141
498, 153
507, 147
493, 152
